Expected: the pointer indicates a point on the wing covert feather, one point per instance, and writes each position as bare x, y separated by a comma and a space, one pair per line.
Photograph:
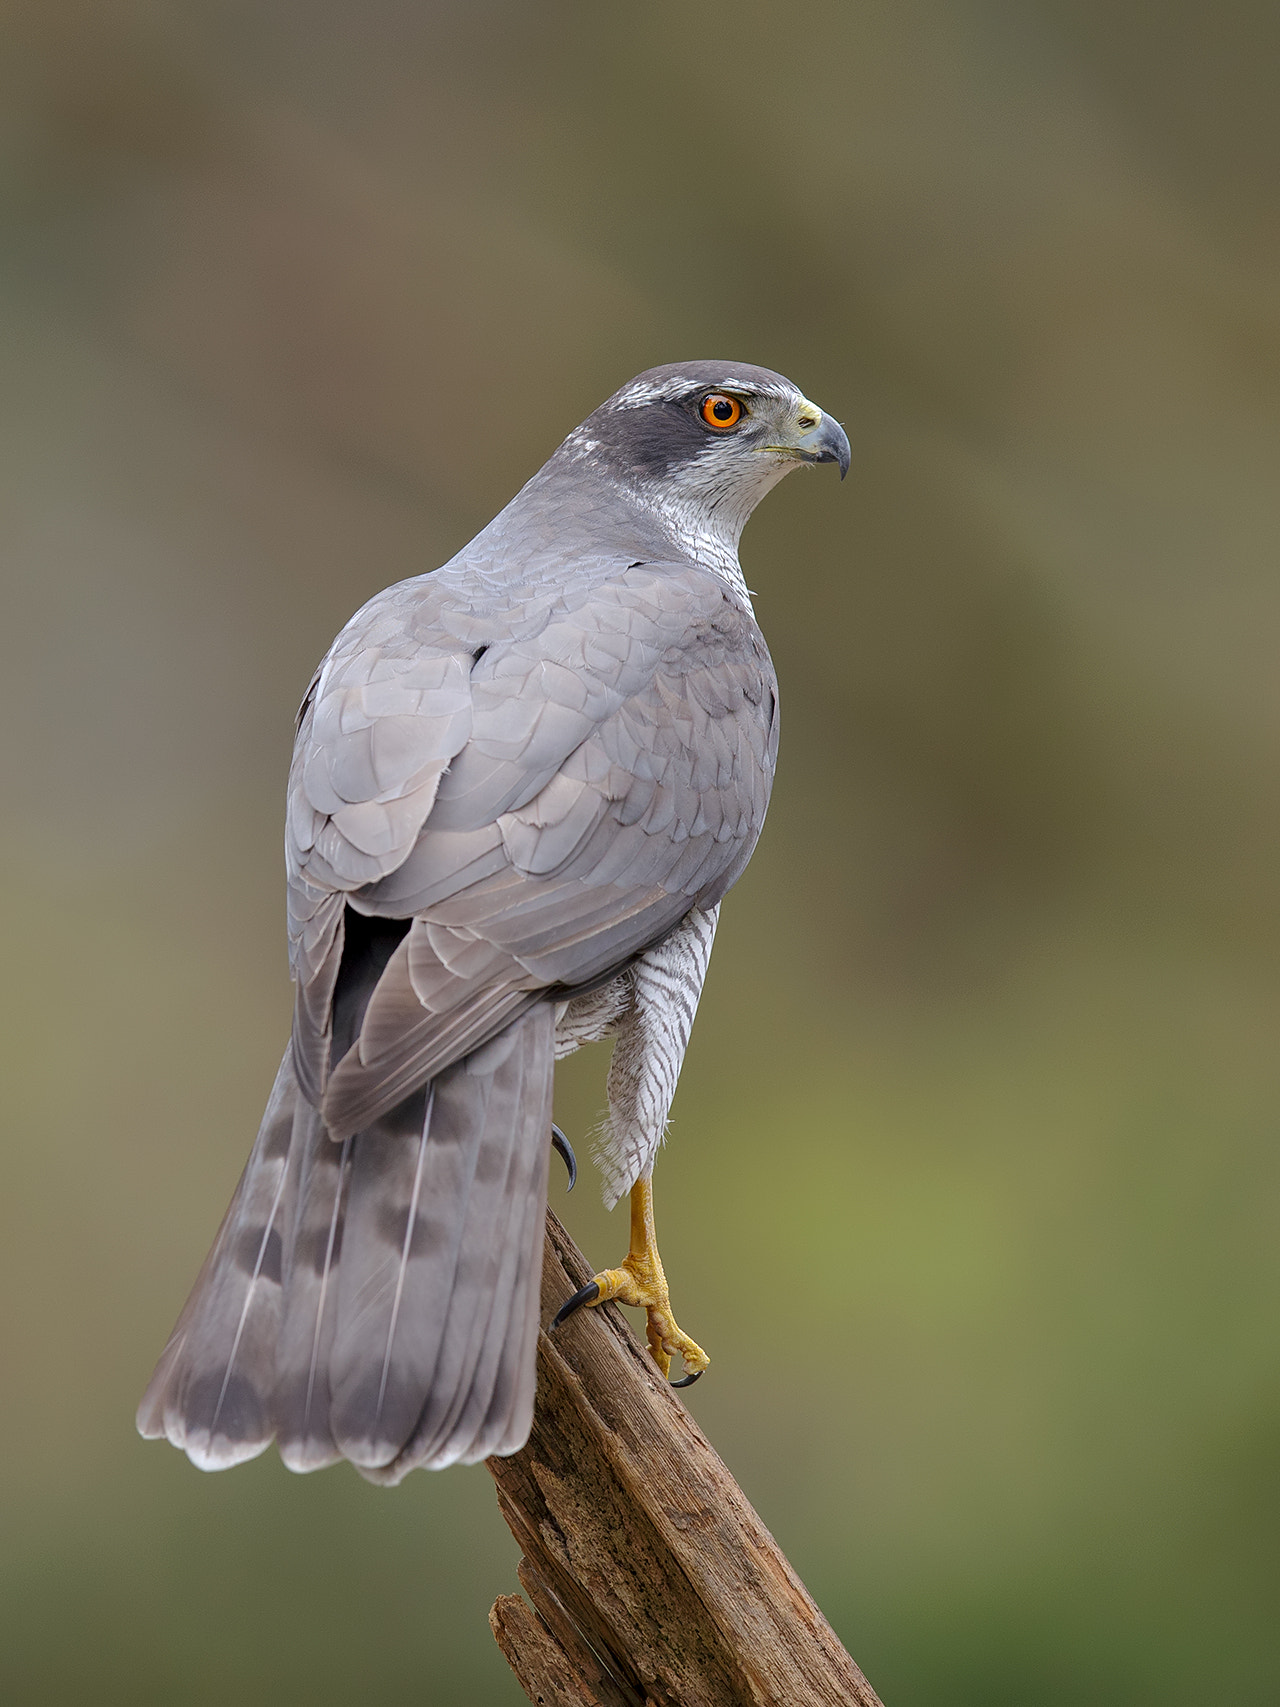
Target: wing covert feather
545, 784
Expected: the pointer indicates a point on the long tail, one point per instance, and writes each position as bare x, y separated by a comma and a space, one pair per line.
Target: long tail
375, 1300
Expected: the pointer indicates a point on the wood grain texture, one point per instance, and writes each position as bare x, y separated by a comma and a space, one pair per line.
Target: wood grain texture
650, 1580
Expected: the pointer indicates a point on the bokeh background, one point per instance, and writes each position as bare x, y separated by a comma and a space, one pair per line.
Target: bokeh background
973, 1183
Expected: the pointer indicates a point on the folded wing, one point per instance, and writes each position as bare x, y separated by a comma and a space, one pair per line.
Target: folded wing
538, 797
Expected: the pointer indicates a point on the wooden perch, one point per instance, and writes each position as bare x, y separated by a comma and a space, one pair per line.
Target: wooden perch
651, 1582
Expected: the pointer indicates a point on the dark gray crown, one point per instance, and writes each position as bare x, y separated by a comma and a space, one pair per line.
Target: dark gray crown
651, 425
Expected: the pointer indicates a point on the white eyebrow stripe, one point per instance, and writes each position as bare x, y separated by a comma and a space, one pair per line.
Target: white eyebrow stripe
639, 394
636, 396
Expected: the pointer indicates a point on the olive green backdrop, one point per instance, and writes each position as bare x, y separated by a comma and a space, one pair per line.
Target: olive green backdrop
972, 1186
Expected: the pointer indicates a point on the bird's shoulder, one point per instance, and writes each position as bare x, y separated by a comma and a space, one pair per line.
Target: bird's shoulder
459, 695
414, 649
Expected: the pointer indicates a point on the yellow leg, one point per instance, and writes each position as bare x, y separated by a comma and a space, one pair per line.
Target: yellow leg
640, 1281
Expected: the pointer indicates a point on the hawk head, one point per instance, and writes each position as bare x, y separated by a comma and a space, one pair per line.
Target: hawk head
700, 443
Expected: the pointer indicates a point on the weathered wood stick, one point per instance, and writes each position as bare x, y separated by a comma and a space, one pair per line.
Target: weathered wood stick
650, 1580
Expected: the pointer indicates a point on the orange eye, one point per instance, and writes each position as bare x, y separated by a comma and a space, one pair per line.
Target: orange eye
720, 411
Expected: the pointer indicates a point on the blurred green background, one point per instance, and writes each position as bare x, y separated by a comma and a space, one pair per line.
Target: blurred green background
973, 1178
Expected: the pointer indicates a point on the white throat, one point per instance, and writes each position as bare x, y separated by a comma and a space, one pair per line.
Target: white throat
706, 506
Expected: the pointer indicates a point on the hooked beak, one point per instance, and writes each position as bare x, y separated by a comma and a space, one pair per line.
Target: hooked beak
818, 438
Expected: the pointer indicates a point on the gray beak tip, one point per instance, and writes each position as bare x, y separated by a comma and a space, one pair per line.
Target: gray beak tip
843, 455
831, 444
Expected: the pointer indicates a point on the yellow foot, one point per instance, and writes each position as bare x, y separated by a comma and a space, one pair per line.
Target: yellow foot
641, 1282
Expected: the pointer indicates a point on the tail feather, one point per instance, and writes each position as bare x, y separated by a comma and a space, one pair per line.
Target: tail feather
375, 1299
488, 1337
300, 1404
500, 1397
211, 1390
430, 1290
383, 1328
510, 1414
486, 1274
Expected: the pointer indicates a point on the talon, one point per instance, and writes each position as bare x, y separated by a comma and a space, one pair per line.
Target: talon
641, 1283
564, 1149
587, 1294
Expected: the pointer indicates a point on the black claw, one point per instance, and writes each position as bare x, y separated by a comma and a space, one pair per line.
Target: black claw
688, 1380
588, 1295
564, 1149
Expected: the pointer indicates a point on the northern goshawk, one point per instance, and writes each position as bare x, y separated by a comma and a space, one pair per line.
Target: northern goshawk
522, 785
